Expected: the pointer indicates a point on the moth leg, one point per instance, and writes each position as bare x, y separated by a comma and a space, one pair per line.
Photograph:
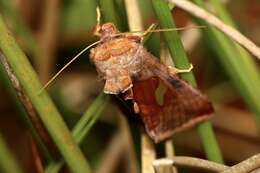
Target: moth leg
175, 70
139, 37
111, 86
136, 107
98, 26
128, 95
124, 83
146, 32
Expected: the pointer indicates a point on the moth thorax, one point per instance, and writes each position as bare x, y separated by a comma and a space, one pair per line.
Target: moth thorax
108, 30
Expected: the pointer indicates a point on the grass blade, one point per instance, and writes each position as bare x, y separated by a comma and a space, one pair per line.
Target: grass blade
237, 63
181, 61
23, 113
82, 127
42, 103
108, 7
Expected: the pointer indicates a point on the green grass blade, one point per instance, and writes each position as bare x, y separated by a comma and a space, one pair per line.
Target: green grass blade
108, 8
78, 16
172, 39
90, 117
83, 126
7, 8
225, 16
240, 67
180, 60
42, 103
7, 161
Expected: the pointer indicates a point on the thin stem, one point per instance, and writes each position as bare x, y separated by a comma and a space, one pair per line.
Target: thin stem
22, 110
180, 60
112, 155
211, 19
108, 8
82, 127
246, 166
48, 39
168, 145
31, 112
163, 166
238, 65
192, 162
147, 148
42, 103
249, 64
148, 153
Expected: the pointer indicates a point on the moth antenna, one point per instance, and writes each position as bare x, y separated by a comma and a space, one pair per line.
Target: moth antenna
160, 30
175, 29
63, 68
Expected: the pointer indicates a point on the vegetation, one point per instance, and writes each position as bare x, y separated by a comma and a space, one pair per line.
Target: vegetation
64, 137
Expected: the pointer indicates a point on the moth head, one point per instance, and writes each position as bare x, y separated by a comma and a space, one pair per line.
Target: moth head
108, 30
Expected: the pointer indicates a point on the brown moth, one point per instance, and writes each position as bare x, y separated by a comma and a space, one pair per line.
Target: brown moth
128, 68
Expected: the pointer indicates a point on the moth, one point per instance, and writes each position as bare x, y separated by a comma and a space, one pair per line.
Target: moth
130, 70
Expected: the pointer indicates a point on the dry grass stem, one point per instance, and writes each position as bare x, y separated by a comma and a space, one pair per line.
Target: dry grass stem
213, 20
28, 106
120, 146
148, 154
169, 148
169, 151
131, 162
133, 15
246, 166
190, 38
147, 148
165, 56
163, 166
36, 157
48, 39
190, 162
112, 154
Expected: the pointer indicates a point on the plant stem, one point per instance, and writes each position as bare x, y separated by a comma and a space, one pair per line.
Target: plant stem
82, 127
108, 8
240, 67
180, 60
214, 21
42, 103
22, 105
